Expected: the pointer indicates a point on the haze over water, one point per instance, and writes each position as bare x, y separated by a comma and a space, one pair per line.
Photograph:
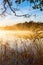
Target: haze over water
6, 34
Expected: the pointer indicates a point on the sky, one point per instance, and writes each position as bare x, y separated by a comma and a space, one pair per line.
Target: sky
25, 8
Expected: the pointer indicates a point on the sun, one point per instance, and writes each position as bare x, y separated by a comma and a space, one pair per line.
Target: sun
2, 34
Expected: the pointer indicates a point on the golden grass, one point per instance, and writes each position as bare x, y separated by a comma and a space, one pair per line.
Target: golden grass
29, 52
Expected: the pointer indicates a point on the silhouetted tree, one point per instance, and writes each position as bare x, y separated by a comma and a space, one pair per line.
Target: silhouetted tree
9, 2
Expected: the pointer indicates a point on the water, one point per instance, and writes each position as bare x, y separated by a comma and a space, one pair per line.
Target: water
6, 34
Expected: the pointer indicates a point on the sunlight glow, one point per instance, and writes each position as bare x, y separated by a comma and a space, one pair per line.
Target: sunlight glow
6, 35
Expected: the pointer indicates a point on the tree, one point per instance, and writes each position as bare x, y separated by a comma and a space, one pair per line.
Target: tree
9, 2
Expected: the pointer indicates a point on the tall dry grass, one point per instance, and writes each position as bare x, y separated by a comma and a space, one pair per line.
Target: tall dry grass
21, 52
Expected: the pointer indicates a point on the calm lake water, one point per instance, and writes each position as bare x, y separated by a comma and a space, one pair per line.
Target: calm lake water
5, 34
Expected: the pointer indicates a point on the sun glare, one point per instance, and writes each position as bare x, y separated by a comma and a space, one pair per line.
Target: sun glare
6, 35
